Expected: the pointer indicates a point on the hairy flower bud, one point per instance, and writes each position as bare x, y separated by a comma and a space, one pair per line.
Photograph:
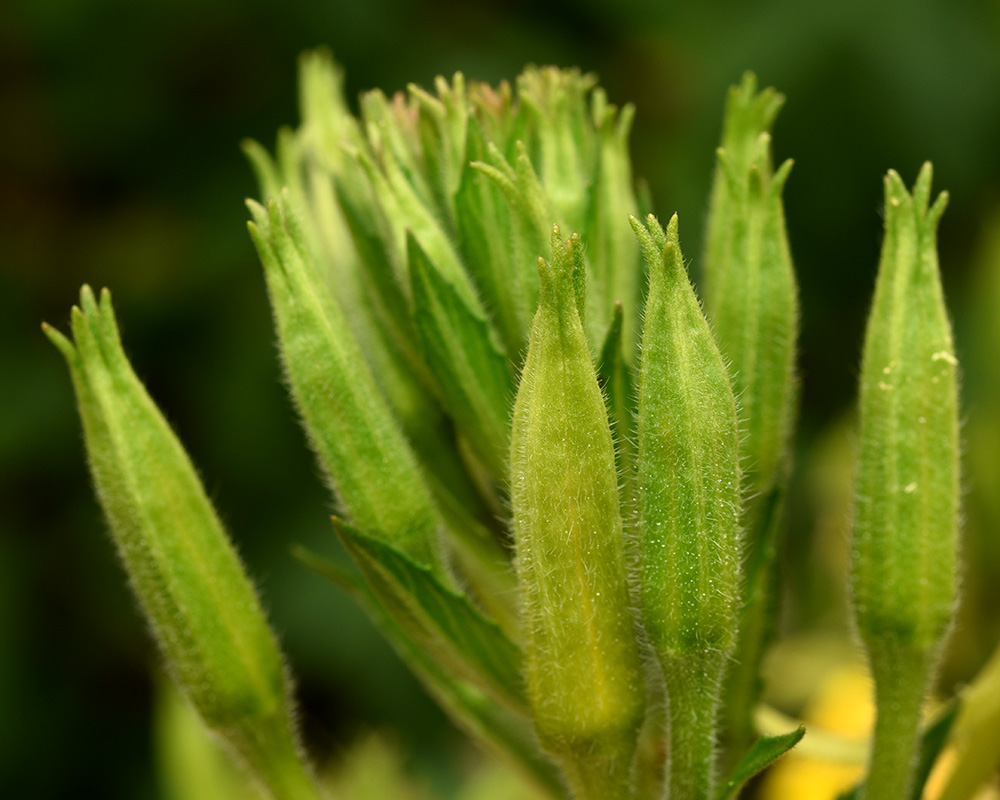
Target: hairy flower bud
906, 507
186, 575
689, 489
582, 665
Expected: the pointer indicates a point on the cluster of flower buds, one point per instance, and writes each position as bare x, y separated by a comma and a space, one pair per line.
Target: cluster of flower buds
457, 282
555, 508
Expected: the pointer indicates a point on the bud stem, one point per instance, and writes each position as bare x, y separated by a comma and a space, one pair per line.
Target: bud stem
694, 692
269, 753
900, 685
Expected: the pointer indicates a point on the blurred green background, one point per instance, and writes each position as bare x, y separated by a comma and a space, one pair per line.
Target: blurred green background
120, 166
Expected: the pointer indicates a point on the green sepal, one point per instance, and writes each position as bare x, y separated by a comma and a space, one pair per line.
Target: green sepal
438, 619
191, 587
373, 471
507, 734
761, 755
460, 348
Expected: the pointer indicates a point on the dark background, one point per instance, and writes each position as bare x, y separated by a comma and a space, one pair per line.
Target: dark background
119, 166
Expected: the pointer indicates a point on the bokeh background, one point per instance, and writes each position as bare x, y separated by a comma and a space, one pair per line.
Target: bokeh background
120, 166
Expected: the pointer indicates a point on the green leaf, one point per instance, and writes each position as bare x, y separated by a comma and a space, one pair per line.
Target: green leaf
764, 752
438, 619
502, 731
470, 368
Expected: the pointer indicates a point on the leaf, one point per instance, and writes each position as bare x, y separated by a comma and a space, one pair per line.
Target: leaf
485, 232
439, 620
507, 734
932, 742
764, 752
468, 364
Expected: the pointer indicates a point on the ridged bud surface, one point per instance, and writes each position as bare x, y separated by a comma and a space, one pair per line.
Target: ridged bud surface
582, 663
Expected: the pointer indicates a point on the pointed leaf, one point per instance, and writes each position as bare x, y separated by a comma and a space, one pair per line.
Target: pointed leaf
505, 733
438, 619
764, 752
461, 350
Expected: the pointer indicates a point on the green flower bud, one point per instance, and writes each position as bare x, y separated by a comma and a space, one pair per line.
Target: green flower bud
582, 665
752, 300
689, 489
611, 248
750, 288
191, 587
372, 468
906, 509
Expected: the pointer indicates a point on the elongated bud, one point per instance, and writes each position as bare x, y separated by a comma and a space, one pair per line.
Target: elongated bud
750, 293
189, 582
905, 546
689, 488
582, 667
907, 492
372, 468
616, 268
752, 300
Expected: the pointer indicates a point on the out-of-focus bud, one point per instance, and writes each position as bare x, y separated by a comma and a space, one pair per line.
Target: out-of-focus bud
190, 584
750, 289
906, 507
582, 665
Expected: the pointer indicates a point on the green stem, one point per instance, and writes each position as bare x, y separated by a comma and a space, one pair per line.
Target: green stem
901, 676
268, 751
693, 697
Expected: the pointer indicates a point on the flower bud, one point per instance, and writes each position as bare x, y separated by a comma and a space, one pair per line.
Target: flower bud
906, 509
750, 289
582, 665
191, 587
905, 547
373, 470
689, 512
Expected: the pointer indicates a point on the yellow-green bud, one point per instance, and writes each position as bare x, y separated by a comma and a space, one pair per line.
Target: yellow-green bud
582, 665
